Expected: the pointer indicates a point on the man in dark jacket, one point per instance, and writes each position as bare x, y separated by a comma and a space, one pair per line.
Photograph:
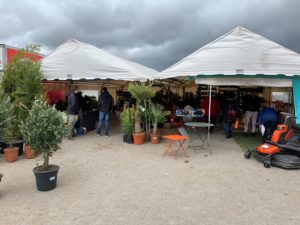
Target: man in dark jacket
72, 111
251, 107
269, 118
106, 104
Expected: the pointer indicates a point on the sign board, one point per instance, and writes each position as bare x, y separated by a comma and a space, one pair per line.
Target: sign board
1, 58
296, 88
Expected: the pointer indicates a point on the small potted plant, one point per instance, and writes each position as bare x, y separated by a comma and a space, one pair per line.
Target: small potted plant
158, 115
44, 130
6, 130
141, 93
28, 152
11, 153
127, 124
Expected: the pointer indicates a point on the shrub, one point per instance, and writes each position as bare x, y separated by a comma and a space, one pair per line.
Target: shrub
44, 130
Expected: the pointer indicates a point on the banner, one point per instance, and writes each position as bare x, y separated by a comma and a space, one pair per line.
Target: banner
1, 58
296, 89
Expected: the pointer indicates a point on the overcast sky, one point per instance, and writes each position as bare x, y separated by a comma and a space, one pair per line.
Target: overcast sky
154, 33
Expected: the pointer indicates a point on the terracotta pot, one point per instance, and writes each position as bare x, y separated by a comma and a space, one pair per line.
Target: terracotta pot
29, 153
154, 138
139, 138
11, 154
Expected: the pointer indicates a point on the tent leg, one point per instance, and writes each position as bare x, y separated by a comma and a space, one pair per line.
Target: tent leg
209, 111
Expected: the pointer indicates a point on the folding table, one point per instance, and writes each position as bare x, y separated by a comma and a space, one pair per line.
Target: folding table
203, 137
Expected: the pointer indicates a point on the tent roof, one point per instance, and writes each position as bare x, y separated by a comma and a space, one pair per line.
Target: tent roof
238, 52
77, 60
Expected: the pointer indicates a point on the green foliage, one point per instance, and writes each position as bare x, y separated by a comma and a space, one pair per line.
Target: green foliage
22, 79
22, 83
44, 130
158, 115
127, 120
6, 109
142, 93
33, 48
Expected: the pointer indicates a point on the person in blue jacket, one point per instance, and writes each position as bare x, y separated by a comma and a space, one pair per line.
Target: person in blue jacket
269, 118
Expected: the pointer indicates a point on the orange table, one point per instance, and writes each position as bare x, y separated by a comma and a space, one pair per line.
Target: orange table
170, 141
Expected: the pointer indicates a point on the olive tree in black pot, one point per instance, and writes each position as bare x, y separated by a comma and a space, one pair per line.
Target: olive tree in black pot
44, 130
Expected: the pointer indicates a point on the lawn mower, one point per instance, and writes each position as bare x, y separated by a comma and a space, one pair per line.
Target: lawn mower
283, 150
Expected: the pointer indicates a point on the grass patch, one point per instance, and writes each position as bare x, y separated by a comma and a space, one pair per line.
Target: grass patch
247, 142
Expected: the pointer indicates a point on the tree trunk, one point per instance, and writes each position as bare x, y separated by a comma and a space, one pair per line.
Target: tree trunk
154, 128
46, 162
137, 124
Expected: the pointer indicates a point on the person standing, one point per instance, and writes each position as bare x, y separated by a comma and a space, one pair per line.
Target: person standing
106, 104
72, 111
251, 107
229, 115
269, 118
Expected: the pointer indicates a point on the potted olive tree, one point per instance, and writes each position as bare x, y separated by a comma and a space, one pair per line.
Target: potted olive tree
44, 130
141, 93
158, 115
127, 124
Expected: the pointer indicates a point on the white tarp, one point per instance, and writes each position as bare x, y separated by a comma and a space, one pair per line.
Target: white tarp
77, 60
238, 81
238, 52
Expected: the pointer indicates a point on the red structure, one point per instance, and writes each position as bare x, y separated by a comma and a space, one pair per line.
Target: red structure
11, 52
8, 52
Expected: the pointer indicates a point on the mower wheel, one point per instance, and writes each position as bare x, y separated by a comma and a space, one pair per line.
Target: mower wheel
247, 154
267, 165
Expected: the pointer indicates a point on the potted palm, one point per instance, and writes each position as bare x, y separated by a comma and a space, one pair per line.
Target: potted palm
127, 124
141, 93
158, 115
44, 130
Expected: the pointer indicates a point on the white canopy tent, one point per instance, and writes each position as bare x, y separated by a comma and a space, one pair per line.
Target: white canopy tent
239, 57
77, 60
239, 52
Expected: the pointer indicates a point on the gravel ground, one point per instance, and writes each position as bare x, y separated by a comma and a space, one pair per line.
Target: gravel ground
105, 181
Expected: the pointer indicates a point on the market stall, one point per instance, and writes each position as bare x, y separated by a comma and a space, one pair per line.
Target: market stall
241, 58
90, 68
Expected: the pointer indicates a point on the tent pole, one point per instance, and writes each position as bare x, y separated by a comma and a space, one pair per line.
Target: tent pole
209, 111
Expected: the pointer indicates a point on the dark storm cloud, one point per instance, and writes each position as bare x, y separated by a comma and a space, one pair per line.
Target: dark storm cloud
154, 33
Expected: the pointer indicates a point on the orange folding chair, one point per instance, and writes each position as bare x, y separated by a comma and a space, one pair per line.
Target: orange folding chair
176, 138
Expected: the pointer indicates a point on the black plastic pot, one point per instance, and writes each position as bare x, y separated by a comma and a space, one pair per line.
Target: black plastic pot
88, 119
124, 137
20, 145
46, 180
2, 147
130, 139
